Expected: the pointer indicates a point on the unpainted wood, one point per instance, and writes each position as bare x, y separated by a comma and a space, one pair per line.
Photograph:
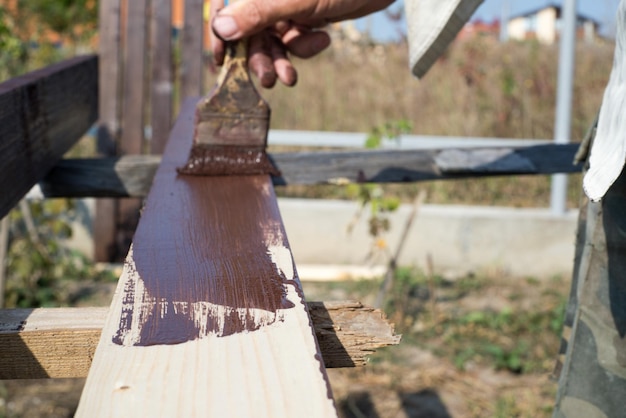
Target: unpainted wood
274, 370
42, 114
349, 332
48, 342
132, 175
60, 342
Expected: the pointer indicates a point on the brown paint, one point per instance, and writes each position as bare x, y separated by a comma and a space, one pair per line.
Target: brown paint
203, 242
221, 160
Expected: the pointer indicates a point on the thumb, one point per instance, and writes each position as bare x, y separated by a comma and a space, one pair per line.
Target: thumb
246, 17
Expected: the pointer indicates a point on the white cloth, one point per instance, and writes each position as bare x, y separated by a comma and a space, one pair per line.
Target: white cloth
432, 25
608, 152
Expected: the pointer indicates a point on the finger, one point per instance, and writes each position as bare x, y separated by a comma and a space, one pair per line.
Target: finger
246, 17
284, 69
217, 45
307, 44
260, 59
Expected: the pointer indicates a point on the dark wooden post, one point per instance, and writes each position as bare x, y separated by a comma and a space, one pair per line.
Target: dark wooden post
108, 124
162, 74
137, 89
191, 72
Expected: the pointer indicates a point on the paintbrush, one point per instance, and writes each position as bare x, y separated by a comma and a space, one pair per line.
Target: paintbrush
231, 123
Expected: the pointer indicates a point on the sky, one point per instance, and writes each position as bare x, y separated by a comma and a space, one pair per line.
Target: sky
601, 10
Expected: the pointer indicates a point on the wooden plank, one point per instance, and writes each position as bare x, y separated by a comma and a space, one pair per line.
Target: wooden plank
162, 74
109, 80
53, 342
133, 111
208, 318
349, 332
127, 176
110, 65
60, 342
419, 165
132, 176
42, 114
192, 50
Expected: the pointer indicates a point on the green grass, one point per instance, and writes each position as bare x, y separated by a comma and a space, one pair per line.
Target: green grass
518, 337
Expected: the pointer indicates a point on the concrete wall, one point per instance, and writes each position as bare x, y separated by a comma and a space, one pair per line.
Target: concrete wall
460, 239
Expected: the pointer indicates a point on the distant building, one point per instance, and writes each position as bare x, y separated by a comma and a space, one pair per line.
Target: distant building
544, 25
479, 28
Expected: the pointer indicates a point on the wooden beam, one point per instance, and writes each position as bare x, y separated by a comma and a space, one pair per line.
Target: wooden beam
419, 165
128, 176
60, 342
52, 342
349, 332
208, 318
132, 175
42, 114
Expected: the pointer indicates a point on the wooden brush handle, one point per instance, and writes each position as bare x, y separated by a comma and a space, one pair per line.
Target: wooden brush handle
235, 61
236, 57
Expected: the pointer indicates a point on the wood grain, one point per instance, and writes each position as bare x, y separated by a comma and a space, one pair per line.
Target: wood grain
60, 342
42, 114
209, 303
52, 342
109, 99
132, 175
349, 332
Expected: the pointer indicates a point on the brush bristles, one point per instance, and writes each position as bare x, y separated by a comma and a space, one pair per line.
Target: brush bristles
218, 160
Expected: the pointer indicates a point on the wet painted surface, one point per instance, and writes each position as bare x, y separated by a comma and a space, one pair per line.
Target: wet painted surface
210, 256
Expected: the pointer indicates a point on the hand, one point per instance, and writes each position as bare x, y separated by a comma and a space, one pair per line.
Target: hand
277, 28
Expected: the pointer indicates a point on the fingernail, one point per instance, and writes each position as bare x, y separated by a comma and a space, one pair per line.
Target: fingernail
225, 27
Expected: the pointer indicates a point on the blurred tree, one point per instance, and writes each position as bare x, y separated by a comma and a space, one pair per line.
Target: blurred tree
13, 51
75, 19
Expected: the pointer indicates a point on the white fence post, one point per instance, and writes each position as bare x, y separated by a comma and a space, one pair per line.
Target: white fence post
562, 126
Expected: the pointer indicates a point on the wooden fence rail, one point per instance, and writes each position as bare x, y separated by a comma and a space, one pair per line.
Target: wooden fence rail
141, 84
42, 114
60, 342
131, 176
